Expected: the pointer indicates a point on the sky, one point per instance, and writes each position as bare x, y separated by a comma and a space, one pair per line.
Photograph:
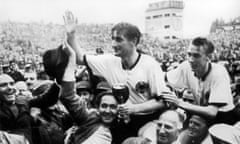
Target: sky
197, 14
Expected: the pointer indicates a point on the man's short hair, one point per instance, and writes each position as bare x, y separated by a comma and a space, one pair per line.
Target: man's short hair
102, 94
129, 31
206, 44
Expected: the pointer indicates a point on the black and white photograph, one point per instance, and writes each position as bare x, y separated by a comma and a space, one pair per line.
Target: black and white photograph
119, 72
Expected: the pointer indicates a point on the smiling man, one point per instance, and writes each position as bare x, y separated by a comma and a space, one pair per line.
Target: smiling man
15, 116
7, 89
209, 82
126, 66
196, 132
169, 127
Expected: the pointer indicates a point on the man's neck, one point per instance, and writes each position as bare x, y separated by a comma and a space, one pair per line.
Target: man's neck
204, 72
130, 60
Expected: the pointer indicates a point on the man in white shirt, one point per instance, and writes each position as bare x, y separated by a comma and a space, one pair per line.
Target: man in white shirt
127, 66
209, 82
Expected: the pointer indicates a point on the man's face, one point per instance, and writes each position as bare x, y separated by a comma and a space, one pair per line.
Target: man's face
13, 66
7, 89
197, 59
197, 127
108, 109
30, 79
121, 45
167, 131
85, 95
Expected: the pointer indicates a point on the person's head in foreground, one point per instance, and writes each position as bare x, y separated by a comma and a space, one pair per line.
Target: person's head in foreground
107, 106
169, 125
225, 134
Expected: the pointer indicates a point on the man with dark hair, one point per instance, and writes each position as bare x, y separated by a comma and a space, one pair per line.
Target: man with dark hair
126, 66
209, 82
196, 131
14, 72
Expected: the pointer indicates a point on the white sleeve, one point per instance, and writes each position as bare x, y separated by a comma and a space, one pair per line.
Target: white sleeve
156, 80
176, 77
220, 91
98, 64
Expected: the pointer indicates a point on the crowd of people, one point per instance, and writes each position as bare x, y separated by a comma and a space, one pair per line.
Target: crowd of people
132, 90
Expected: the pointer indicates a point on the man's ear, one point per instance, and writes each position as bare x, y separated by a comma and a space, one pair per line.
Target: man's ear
134, 41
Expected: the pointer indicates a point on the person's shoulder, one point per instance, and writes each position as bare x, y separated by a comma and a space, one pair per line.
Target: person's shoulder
104, 58
184, 66
148, 59
218, 69
218, 66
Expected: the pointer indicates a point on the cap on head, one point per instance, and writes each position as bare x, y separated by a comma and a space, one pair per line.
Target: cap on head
84, 85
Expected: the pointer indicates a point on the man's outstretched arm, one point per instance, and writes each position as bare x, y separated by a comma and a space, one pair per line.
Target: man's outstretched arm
70, 23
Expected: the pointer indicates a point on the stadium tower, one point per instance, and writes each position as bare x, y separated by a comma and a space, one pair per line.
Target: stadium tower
164, 19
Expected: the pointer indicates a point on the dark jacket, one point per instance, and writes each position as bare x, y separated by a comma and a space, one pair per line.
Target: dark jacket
87, 123
21, 124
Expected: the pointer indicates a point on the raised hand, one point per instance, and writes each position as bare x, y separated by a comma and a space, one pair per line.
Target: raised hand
70, 22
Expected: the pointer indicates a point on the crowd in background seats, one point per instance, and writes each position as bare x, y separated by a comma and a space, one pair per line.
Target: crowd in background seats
22, 46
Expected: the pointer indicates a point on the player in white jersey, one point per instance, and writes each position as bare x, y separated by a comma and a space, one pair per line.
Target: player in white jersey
126, 66
209, 82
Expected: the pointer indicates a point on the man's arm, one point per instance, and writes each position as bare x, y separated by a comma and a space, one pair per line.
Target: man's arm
149, 106
70, 23
206, 111
68, 94
145, 107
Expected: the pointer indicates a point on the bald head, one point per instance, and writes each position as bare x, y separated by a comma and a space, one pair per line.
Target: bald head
173, 117
169, 125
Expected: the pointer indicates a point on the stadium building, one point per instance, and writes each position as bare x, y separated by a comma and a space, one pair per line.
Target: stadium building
163, 19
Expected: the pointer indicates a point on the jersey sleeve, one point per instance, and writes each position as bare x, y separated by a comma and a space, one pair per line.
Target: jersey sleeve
177, 77
220, 91
98, 64
157, 82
